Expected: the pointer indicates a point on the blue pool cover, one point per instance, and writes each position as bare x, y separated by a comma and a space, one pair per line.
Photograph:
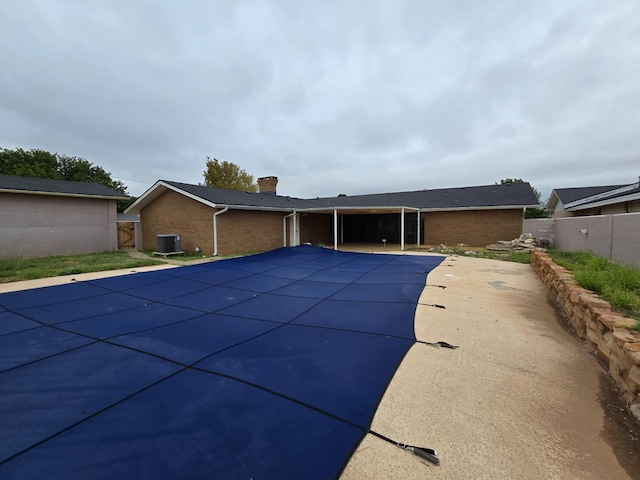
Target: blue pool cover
269, 366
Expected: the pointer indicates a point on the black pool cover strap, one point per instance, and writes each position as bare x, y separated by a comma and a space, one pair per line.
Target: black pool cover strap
267, 366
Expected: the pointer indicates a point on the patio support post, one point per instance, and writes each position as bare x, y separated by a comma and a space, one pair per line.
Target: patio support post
418, 230
335, 229
402, 229
284, 228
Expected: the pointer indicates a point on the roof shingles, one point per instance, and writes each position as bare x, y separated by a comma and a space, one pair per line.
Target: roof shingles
56, 187
511, 195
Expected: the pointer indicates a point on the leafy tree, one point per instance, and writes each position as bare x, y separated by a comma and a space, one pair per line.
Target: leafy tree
41, 164
539, 211
32, 163
228, 175
81, 170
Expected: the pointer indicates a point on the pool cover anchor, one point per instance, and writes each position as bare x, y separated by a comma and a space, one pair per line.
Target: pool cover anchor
427, 453
436, 305
439, 344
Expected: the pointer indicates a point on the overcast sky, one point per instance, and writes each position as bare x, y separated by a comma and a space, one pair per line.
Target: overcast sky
330, 96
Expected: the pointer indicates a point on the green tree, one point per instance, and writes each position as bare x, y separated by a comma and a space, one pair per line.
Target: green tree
539, 211
81, 170
228, 175
32, 163
41, 164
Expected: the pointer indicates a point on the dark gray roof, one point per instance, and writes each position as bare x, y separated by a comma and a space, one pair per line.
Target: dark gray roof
568, 195
221, 196
48, 186
514, 194
614, 195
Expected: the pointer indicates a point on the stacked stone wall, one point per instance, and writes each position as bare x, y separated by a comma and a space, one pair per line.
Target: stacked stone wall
607, 334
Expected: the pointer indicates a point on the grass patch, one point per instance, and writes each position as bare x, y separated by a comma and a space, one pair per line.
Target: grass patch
618, 285
17, 269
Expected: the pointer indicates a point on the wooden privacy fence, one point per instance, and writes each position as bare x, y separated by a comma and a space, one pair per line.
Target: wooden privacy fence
126, 235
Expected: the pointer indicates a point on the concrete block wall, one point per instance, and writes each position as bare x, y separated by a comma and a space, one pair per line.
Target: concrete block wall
44, 225
615, 237
608, 335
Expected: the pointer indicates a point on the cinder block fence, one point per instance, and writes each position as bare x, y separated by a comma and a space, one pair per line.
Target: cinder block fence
608, 335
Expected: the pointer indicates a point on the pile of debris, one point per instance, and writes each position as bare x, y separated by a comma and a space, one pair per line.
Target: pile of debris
526, 241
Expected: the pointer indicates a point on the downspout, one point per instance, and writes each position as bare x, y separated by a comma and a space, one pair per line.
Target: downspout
284, 228
215, 230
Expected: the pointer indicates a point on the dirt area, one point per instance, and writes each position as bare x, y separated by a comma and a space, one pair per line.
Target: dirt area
521, 397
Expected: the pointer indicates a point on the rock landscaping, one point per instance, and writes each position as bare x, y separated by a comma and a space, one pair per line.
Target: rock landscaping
526, 241
607, 334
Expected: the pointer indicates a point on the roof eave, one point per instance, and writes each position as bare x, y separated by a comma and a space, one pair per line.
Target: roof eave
484, 207
63, 194
603, 203
158, 189
603, 197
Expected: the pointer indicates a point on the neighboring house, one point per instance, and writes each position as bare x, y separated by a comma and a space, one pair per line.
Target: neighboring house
42, 217
603, 200
228, 222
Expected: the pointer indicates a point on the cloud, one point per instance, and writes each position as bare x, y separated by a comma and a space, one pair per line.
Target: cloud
332, 97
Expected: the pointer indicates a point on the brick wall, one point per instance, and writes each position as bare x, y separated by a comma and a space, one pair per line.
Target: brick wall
607, 334
474, 227
316, 228
239, 231
242, 231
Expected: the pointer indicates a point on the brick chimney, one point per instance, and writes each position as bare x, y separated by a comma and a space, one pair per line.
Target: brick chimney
267, 185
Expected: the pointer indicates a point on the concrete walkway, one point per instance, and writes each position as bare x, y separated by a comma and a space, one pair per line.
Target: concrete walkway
520, 398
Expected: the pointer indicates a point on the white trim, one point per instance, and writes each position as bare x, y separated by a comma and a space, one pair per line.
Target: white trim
603, 197
602, 203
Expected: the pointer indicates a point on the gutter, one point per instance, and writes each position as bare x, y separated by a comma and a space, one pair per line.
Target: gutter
215, 230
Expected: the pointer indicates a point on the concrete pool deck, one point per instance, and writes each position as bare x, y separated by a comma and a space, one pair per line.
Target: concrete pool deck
520, 398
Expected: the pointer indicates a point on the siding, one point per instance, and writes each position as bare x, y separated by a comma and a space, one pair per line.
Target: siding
45, 225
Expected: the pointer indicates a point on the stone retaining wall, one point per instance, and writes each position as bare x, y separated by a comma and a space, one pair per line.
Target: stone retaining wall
608, 335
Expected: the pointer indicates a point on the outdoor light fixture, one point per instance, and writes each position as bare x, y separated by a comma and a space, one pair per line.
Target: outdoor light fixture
584, 231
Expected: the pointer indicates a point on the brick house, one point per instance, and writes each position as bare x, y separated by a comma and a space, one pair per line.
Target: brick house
42, 217
229, 222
